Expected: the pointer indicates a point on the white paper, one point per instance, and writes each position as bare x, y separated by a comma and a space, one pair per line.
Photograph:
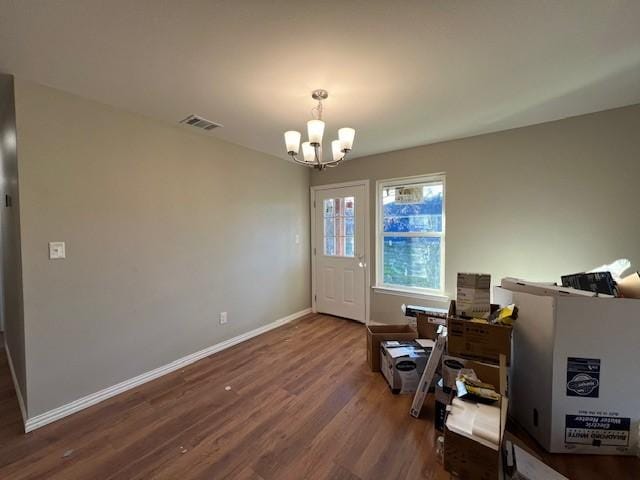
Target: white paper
399, 352
425, 343
475, 421
530, 468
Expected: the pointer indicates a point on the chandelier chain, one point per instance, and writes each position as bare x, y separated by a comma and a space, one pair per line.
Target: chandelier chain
316, 112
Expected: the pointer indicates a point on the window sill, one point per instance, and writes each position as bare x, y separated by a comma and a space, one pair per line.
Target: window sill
436, 297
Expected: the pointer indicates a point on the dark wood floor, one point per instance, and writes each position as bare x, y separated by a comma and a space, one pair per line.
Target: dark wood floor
302, 405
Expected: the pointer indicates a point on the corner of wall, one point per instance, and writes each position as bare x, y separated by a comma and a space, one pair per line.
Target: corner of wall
11, 253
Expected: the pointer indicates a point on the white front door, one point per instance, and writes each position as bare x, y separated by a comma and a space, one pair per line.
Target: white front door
339, 242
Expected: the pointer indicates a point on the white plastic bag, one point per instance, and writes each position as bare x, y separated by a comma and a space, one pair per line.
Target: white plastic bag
616, 268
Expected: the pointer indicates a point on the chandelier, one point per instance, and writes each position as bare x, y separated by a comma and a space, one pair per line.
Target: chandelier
312, 150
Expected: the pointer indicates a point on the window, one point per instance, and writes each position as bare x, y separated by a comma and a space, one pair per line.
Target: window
410, 234
339, 226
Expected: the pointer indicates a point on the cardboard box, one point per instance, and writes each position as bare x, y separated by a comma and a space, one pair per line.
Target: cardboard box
575, 386
479, 281
473, 294
474, 456
479, 341
402, 364
378, 333
629, 286
452, 365
474, 432
488, 373
443, 397
428, 325
446, 387
429, 319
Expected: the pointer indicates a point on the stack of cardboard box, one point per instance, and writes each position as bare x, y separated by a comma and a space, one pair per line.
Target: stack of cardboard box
473, 433
376, 334
393, 350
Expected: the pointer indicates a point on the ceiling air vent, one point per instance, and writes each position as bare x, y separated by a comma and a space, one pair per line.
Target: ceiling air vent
199, 122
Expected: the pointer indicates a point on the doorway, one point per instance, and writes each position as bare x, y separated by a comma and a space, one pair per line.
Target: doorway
340, 249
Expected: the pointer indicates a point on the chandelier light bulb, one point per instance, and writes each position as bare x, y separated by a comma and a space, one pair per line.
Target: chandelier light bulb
346, 136
292, 140
308, 152
336, 149
315, 129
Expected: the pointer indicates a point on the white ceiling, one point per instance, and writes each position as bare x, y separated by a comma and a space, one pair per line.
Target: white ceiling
402, 73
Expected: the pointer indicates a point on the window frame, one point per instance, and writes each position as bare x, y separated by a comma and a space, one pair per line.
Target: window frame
380, 234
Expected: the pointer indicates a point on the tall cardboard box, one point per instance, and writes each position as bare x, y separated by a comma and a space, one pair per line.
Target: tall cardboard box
469, 459
379, 333
473, 439
446, 386
575, 385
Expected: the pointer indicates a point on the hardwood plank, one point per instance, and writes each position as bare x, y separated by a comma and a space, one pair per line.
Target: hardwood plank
302, 405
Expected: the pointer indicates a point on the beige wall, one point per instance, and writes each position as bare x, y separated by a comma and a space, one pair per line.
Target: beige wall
164, 229
534, 202
11, 279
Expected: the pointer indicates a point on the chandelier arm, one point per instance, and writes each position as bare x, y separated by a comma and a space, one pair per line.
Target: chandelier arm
335, 163
319, 164
301, 162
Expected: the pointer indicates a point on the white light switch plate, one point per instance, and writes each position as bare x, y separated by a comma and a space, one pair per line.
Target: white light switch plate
56, 250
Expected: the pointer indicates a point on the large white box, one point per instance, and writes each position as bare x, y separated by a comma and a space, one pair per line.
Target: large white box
575, 385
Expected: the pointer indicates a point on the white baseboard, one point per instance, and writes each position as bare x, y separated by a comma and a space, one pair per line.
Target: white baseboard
85, 402
16, 386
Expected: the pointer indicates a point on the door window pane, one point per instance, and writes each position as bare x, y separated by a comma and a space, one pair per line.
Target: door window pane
329, 211
412, 261
329, 227
339, 226
348, 246
349, 203
349, 226
329, 245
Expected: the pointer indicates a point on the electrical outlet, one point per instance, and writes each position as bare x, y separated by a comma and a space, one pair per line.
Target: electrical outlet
57, 250
223, 318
